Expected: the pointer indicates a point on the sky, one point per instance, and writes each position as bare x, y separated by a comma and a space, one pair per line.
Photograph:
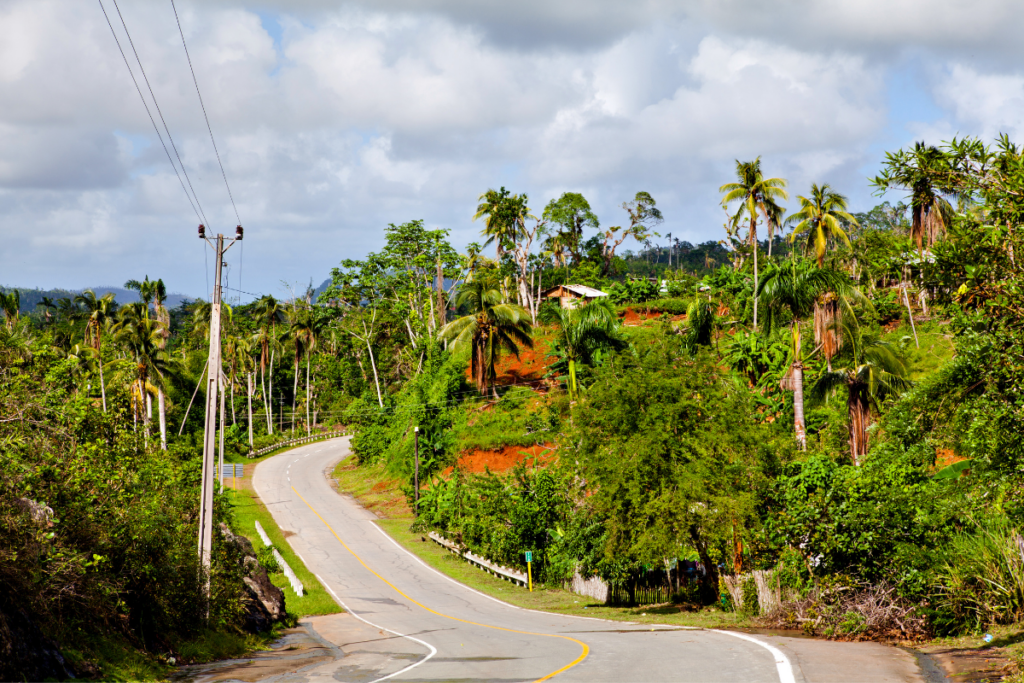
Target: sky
334, 119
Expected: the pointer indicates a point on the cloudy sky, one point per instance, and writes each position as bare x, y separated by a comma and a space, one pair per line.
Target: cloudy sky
334, 119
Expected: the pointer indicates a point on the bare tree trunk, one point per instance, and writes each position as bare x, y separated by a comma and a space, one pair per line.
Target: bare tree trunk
798, 390
163, 417
248, 387
376, 379
270, 386
103, 388
308, 424
266, 400
234, 421
442, 318
295, 391
910, 314
860, 419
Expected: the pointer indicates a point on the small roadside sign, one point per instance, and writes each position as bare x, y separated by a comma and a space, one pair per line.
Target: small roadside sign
529, 556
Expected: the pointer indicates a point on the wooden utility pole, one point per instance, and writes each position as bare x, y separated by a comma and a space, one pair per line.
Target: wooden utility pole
210, 427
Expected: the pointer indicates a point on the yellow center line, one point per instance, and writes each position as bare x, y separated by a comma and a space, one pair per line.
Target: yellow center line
583, 655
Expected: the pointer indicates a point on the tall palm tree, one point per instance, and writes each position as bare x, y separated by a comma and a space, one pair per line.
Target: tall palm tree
925, 172
146, 290
757, 195
142, 337
490, 328
798, 288
10, 303
871, 370
306, 332
163, 319
267, 312
98, 311
819, 219
48, 306
505, 215
582, 333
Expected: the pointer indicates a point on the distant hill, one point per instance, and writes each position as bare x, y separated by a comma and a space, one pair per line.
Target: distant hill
30, 298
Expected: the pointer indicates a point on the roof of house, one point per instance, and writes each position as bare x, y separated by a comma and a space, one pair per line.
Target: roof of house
581, 290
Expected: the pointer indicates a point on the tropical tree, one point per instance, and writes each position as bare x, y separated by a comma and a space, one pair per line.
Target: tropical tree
797, 288
582, 334
504, 216
142, 337
98, 311
571, 213
758, 196
163, 320
147, 292
820, 220
489, 328
267, 312
10, 303
644, 214
871, 370
926, 172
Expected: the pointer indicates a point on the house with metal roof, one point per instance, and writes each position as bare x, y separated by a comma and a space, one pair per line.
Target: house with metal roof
571, 296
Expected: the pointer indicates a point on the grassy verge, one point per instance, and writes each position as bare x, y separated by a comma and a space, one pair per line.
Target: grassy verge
248, 509
372, 488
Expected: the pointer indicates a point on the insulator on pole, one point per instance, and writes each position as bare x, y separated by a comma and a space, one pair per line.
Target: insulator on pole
202, 231
239, 232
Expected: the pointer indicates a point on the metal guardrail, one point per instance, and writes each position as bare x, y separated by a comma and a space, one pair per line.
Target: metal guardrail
295, 442
501, 572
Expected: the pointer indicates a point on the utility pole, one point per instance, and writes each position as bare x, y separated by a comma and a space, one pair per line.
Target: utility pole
210, 426
416, 474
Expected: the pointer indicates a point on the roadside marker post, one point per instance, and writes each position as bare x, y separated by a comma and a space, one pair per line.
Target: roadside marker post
529, 569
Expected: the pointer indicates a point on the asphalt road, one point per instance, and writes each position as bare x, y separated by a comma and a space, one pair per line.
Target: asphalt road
416, 624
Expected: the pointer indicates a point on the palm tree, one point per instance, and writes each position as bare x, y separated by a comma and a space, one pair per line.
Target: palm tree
582, 333
758, 195
819, 219
872, 370
163, 319
490, 328
142, 337
927, 174
267, 312
798, 289
98, 311
701, 324
10, 303
504, 215
306, 331
147, 291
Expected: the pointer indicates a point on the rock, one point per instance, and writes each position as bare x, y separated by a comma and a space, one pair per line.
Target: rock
264, 603
25, 653
42, 515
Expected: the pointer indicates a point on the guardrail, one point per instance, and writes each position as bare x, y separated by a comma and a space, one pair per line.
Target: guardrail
295, 442
501, 572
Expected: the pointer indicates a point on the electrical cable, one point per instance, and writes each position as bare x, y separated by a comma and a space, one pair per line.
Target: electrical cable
196, 82
157, 105
149, 113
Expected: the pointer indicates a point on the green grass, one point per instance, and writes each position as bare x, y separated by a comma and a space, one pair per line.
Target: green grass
936, 347
248, 509
549, 599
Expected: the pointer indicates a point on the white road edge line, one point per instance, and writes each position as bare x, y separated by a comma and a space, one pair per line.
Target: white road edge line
433, 650
782, 663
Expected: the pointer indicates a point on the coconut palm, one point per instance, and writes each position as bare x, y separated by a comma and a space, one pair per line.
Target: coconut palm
98, 312
583, 333
490, 328
758, 196
163, 319
871, 370
925, 172
267, 312
10, 303
142, 337
819, 220
701, 324
795, 287
306, 331
48, 306
505, 217
146, 290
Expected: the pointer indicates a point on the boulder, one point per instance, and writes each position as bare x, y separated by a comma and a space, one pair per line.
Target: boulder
25, 653
264, 602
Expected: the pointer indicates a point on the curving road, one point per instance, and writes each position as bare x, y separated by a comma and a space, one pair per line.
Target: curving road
417, 624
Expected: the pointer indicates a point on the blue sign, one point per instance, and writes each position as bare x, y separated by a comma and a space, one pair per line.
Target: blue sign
529, 556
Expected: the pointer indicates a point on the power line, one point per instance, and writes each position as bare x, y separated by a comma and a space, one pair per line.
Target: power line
148, 112
196, 82
158, 111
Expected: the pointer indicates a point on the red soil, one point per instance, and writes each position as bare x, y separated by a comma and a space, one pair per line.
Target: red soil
526, 370
944, 457
477, 461
631, 317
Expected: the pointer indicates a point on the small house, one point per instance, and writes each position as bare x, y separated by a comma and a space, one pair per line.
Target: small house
571, 296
